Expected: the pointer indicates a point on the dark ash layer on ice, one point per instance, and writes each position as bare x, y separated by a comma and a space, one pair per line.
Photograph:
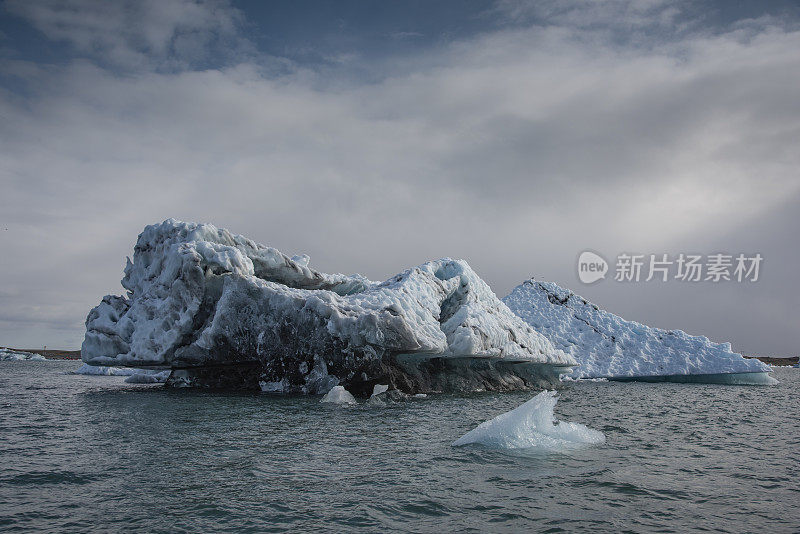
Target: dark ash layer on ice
222, 311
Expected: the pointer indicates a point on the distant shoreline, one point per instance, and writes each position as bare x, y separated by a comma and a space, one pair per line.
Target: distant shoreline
53, 354
775, 361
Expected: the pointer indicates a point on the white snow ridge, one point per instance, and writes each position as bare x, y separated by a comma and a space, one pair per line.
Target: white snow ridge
608, 346
220, 310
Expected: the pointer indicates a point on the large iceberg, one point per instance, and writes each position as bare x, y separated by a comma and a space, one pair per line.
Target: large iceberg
608, 346
220, 310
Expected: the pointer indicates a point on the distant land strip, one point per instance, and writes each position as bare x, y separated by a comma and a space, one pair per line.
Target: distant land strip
53, 354
76, 355
792, 360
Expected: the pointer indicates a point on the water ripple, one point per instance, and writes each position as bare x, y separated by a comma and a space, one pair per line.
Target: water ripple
82, 454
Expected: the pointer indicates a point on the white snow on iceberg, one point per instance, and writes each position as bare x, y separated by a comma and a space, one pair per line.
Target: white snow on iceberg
532, 426
608, 346
225, 311
18, 355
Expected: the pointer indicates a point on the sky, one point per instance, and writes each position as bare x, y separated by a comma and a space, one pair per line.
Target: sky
375, 136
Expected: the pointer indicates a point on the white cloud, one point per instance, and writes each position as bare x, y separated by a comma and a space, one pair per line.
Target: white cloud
514, 149
596, 14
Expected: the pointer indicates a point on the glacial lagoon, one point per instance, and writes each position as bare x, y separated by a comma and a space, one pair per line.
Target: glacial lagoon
93, 453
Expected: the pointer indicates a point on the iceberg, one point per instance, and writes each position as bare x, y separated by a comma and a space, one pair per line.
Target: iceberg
532, 426
339, 395
607, 346
18, 355
219, 310
379, 389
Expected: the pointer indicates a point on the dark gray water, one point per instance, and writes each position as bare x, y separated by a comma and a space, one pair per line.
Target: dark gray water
81, 454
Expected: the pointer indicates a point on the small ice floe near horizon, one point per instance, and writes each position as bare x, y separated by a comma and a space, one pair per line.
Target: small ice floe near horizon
8, 355
532, 426
103, 370
339, 395
134, 376
152, 377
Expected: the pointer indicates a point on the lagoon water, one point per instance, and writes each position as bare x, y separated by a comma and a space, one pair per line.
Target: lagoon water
94, 454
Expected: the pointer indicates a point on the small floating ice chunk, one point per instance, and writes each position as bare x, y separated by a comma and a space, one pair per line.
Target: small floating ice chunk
568, 378
102, 370
378, 389
135, 376
18, 355
339, 395
531, 426
148, 377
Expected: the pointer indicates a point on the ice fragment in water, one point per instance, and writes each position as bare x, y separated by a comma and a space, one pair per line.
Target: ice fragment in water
531, 426
378, 389
339, 395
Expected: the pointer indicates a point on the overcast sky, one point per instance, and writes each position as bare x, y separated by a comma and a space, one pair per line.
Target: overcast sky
374, 136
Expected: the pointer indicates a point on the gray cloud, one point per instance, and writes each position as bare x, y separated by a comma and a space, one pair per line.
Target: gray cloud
515, 149
141, 34
625, 14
